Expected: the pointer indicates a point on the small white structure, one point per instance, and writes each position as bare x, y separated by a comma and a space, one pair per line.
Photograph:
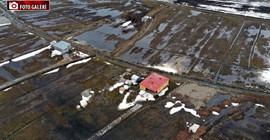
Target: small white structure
62, 46
53, 42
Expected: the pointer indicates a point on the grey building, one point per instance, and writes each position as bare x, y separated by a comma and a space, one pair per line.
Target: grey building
62, 46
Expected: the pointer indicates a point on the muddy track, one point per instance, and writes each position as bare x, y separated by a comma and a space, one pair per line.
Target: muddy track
253, 46
228, 53
128, 44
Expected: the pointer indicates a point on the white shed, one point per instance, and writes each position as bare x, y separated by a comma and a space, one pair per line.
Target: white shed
62, 46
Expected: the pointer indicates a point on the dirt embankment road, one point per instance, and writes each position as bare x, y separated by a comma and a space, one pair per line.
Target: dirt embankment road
146, 29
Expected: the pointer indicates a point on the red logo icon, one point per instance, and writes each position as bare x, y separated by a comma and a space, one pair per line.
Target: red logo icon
13, 6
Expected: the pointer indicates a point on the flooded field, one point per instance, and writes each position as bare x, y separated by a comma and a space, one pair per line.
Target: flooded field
211, 46
68, 17
250, 67
101, 38
15, 42
52, 104
28, 63
218, 65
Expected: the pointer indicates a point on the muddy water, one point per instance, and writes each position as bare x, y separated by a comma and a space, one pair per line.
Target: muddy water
143, 46
98, 38
216, 100
252, 126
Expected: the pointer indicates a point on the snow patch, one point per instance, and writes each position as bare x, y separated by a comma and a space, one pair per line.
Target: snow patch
126, 24
55, 53
162, 93
52, 71
144, 96
259, 105
169, 105
86, 95
165, 67
4, 63
78, 62
194, 128
116, 86
265, 75
7, 89
31, 54
30, 33
5, 24
250, 13
235, 104
177, 109
108, 63
215, 113
124, 105
80, 54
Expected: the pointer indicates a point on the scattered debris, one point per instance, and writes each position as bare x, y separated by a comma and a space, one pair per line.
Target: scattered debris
121, 90
178, 84
126, 87
145, 18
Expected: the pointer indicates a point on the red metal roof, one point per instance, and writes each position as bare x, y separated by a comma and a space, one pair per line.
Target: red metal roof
154, 81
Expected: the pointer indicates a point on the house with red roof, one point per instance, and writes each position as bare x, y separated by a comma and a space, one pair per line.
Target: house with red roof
154, 83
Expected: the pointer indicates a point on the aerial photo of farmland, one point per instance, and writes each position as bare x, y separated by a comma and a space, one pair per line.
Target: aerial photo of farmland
136, 70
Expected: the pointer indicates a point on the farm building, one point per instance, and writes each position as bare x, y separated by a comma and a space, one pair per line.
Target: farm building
62, 46
154, 83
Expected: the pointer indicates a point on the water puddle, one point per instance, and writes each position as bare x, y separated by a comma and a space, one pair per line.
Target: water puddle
98, 38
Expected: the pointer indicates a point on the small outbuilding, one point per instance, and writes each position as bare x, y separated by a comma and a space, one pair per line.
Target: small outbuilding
62, 46
154, 83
